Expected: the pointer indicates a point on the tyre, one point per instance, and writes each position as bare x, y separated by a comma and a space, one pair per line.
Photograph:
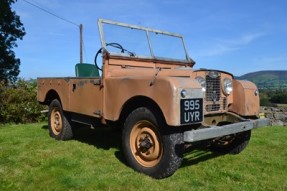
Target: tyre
231, 144
150, 146
59, 125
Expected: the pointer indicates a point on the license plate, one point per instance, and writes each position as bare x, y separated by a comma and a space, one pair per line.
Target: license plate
191, 111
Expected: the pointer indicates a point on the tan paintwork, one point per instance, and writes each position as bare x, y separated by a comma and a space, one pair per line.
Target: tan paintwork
245, 102
125, 79
60, 85
79, 95
122, 80
242, 100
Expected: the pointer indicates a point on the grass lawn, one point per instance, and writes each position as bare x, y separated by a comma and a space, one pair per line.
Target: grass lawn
31, 160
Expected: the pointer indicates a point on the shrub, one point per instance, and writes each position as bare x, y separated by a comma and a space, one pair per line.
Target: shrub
18, 103
279, 97
264, 99
271, 98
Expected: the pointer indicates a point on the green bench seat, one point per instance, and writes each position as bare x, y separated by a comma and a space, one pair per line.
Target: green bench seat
86, 70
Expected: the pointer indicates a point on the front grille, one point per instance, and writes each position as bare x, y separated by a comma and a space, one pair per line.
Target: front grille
213, 99
212, 107
212, 88
219, 105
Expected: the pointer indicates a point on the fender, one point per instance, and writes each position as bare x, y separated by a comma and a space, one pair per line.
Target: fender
165, 92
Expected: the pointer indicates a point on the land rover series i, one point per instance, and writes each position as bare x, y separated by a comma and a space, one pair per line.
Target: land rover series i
146, 84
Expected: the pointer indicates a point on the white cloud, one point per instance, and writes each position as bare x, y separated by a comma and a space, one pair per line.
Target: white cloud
244, 40
222, 46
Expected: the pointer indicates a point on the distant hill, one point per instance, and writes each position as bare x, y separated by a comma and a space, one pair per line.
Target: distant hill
271, 79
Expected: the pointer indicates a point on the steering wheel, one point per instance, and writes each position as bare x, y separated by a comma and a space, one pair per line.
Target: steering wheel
99, 51
115, 45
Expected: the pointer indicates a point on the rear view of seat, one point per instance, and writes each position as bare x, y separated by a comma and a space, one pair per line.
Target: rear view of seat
86, 70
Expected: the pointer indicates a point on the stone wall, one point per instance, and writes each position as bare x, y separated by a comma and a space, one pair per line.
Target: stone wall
278, 115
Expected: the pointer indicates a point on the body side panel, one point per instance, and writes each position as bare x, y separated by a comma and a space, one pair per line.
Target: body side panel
79, 95
164, 92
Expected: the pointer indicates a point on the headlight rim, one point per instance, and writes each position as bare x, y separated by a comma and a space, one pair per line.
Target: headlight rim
202, 81
227, 86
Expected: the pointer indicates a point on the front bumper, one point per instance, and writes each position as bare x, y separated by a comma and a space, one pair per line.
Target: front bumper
219, 131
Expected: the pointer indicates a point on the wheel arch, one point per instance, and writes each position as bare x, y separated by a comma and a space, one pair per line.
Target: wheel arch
50, 96
140, 101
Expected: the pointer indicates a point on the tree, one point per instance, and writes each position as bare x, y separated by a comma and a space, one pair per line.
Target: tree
11, 29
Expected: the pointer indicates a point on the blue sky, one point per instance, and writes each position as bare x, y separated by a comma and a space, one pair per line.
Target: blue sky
234, 36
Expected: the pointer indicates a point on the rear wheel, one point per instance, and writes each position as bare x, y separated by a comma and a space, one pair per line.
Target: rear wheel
150, 146
58, 122
232, 144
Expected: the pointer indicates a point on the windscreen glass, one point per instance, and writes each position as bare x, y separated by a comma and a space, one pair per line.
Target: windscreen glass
142, 42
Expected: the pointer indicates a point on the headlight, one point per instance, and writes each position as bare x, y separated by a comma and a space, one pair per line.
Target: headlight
227, 83
202, 82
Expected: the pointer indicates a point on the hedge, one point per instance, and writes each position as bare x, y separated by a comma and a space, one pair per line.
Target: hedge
18, 103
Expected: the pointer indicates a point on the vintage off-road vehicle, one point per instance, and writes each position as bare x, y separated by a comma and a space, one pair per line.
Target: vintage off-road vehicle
147, 85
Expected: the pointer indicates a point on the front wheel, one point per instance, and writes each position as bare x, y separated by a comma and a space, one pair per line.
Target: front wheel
150, 146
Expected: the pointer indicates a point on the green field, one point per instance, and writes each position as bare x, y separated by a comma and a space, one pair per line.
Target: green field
31, 160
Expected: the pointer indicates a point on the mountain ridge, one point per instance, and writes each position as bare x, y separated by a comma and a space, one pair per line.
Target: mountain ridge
267, 79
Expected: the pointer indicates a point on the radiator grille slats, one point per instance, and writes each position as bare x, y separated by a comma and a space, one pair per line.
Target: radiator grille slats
214, 101
212, 88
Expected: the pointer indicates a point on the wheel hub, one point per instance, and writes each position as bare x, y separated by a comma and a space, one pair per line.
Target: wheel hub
56, 121
145, 144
